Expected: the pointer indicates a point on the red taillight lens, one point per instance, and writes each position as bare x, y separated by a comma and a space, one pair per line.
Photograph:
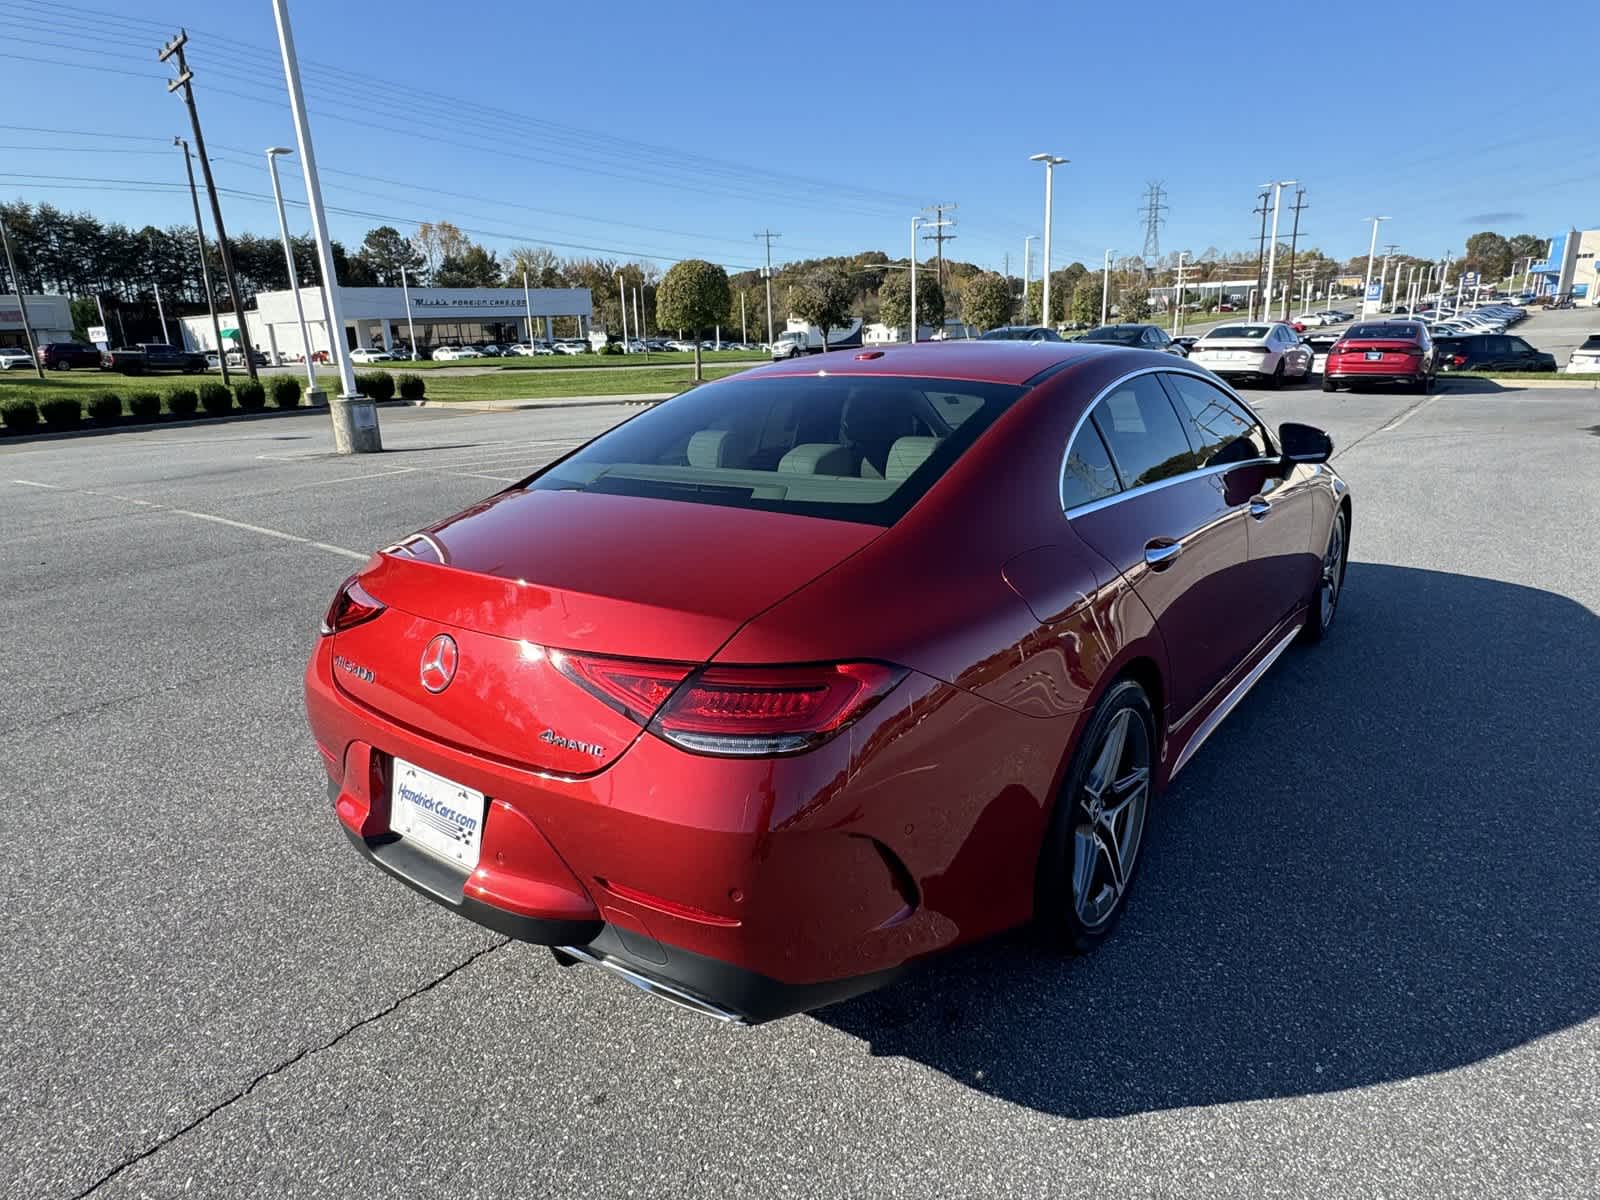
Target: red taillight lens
760, 711
632, 687
1458, 360
352, 605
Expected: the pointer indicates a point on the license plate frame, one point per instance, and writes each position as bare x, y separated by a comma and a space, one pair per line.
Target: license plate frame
436, 814
1374, 356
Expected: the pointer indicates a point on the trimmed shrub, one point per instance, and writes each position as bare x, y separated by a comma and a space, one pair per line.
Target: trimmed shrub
376, 385
412, 387
61, 412
216, 399
145, 406
105, 407
181, 402
20, 414
286, 392
612, 348
252, 396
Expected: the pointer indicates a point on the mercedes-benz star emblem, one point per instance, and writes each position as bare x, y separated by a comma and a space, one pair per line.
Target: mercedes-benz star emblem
439, 663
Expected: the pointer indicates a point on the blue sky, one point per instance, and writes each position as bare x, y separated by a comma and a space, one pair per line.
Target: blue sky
674, 131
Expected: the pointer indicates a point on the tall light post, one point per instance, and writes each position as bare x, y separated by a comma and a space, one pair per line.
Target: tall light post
1272, 247
1372, 253
1027, 267
1177, 294
314, 397
355, 418
22, 301
1105, 289
1051, 162
622, 302
916, 224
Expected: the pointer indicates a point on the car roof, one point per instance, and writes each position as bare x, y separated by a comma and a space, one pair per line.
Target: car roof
975, 361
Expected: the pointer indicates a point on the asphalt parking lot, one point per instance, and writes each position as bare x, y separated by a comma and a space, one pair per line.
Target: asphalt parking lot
1362, 959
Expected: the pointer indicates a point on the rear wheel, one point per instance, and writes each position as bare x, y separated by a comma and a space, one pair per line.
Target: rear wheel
1330, 581
1091, 851
1328, 385
1275, 380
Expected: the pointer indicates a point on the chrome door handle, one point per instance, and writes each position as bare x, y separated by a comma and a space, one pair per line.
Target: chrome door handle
1160, 555
1259, 508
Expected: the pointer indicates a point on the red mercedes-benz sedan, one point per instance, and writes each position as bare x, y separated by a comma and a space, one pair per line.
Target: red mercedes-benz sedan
807, 674
1382, 352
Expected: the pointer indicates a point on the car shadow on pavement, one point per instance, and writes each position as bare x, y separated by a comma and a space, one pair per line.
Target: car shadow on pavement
1385, 864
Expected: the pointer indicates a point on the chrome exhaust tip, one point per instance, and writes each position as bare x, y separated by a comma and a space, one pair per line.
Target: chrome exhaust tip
655, 987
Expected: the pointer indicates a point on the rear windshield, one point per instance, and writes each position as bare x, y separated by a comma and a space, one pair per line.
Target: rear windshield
849, 448
1592, 342
1239, 331
1404, 333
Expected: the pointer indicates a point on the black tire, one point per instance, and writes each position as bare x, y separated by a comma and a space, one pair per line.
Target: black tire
63, 365
1072, 904
1325, 597
1275, 380
1328, 385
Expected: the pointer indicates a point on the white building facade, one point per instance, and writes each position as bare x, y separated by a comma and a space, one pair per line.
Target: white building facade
381, 317
50, 317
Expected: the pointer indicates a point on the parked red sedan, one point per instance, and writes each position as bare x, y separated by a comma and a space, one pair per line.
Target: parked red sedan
810, 673
1382, 352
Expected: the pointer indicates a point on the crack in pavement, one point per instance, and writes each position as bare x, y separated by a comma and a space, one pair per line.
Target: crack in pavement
284, 1066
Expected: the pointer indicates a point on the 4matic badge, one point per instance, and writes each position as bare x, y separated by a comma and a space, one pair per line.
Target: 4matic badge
566, 743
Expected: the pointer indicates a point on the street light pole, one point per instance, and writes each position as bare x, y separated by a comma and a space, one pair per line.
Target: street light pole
1372, 252
411, 328
355, 418
1051, 162
22, 303
314, 397
205, 271
1177, 294
1105, 289
622, 303
1272, 246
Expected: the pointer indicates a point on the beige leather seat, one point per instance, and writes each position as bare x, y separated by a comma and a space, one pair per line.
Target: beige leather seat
720, 448
907, 454
817, 458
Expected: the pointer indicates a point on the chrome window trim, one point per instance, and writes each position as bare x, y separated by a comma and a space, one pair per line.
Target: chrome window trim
1144, 488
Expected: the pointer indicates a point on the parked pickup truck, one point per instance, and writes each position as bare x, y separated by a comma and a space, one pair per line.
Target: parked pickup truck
152, 356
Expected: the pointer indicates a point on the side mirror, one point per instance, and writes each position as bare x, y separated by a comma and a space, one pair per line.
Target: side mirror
1304, 443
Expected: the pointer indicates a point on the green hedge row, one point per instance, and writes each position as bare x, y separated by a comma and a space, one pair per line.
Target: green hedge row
22, 415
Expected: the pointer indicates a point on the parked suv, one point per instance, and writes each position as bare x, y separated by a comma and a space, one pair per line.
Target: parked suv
63, 356
1492, 352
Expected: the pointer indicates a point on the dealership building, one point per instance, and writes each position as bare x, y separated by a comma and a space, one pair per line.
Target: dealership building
376, 316
50, 317
1568, 270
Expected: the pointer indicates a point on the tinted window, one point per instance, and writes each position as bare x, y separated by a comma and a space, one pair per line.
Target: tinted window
851, 448
1387, 330
1139, 425
1089, 474
1238, 331
1592, 342
1520, 346
1122, 335
1221, 430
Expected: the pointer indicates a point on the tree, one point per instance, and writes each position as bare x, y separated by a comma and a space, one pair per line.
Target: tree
986, 301
541, 263
822, 298
474, 267
437, 242
386, 252
1490, 255
1032, 301
1134, 304
694, 297
894, 300
1085, 305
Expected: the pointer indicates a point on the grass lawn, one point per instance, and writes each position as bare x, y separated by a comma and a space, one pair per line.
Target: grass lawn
1519, 376
520, 385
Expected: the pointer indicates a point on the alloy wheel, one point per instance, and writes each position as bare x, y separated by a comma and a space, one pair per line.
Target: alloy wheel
1332, 572
1109, 812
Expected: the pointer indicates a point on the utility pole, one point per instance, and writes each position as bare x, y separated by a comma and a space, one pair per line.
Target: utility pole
155, 290
939, 235
185, 81
22, 302
1261, 247
1105, 289
1294, 238
205, 271
767, 275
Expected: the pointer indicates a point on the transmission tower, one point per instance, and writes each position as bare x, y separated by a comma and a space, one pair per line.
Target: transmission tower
1154, 192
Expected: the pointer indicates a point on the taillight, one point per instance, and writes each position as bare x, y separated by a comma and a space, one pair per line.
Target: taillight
632, 687
1458, 360
759, 711
739, 711
352, 605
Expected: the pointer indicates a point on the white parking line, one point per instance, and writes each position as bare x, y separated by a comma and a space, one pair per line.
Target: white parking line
1409, 413
201, 516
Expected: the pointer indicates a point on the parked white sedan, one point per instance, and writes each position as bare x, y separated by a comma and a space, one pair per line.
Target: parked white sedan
14, 356
1272, 351
363, 355
454, 353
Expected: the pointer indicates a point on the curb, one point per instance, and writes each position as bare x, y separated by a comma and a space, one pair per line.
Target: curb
1520, 383
301, 410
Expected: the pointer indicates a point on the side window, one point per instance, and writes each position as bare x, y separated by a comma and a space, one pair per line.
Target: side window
1088, 474
1152, 338
1499, 345
1221, 430
1520, 346
1142, 431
